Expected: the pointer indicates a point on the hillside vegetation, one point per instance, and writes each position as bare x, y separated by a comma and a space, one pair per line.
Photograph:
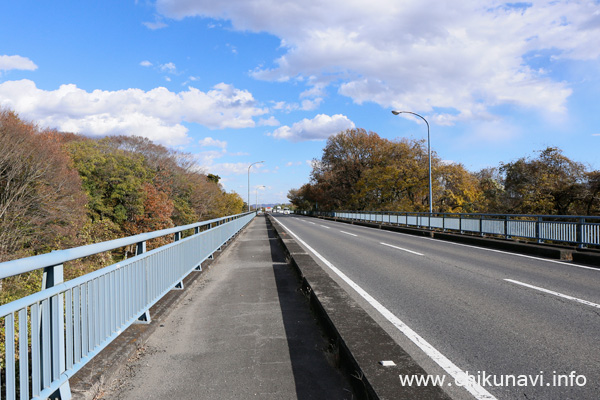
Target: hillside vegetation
60, 190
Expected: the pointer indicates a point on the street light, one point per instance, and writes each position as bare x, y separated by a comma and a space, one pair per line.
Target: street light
428, 152
258, 187
258, 162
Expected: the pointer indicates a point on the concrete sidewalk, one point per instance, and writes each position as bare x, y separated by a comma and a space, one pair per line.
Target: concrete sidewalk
243, 330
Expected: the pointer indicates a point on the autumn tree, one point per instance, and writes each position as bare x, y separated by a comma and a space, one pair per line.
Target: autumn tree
459, 190
346, 157
548, 184
590, 203
399, 180
41, 202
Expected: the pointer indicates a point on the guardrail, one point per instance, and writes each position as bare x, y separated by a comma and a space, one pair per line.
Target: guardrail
52, 334
580, 230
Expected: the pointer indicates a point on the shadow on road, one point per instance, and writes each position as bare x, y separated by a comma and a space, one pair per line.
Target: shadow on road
315, 375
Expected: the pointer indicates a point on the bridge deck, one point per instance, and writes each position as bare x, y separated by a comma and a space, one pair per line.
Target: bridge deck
242, 330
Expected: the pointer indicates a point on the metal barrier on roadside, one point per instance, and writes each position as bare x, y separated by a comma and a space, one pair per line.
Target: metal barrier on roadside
52, 334
580, 230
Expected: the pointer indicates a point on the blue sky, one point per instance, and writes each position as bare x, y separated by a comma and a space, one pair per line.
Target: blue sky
249, 80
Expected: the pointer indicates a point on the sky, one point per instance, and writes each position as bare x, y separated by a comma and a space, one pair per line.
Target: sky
240, 81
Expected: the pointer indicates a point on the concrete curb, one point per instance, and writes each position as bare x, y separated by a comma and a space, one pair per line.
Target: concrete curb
360, 342
590, 257
102, 370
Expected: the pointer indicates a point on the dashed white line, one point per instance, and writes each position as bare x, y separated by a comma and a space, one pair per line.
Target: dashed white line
458, 374
488, 249
564, 296
326, 227
400, 248
348, 233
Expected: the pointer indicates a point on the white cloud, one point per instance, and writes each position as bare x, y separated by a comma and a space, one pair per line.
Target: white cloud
169, 67
319, 128
233, 168
210, 142
146, 63
468, 56
309, 105
271, 121
155, 25
8, 63
206, 159
157, 114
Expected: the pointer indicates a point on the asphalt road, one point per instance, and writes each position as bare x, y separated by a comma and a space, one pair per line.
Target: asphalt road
521, 327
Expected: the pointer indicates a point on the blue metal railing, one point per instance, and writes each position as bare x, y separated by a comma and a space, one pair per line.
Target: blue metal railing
52, 334
579, 230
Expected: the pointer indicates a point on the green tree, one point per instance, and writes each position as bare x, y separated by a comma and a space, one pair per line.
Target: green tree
112, 178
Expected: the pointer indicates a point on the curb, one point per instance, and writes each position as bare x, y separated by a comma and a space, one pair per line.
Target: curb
361, 343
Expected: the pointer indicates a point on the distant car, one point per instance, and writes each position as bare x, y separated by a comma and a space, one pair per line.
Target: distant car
286, 210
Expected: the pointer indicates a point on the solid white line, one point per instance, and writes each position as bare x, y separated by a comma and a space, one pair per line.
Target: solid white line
459, 375
348, 233
564, 296
400, 248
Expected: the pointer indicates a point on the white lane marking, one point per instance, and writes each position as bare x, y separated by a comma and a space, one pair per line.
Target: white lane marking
459, 375
311, 223
348, 233
564, 296
486, 249
326, 227
400, 248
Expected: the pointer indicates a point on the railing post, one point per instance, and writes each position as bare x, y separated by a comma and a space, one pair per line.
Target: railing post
537, 230
53, 276
481, 226
140, 248
580, 223
506, 226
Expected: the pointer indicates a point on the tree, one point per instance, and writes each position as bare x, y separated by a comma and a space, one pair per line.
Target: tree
399, 180
590, 204
41, 201
459, 191
549, 184
346, 157
112, 178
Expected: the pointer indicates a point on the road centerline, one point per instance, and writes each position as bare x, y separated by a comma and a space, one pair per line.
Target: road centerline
552, 292
400, 248
348, 233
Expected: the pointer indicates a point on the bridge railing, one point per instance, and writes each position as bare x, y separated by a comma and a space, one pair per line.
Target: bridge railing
50, 335
580, 230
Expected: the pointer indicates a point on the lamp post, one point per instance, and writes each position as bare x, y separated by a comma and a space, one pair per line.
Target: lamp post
429, 155
258, 162
258, 187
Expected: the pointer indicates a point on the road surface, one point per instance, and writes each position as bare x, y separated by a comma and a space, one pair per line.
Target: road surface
517, 326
